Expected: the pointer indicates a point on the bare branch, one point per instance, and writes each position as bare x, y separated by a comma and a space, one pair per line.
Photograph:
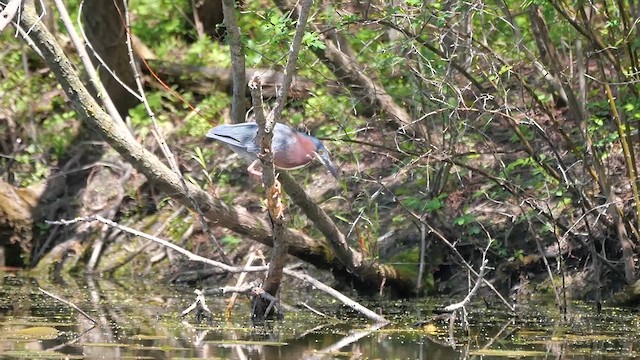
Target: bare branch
104, 64
7, 14
289, 70
347, 256
479, 281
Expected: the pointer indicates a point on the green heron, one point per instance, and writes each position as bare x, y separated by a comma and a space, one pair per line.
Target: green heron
291, 149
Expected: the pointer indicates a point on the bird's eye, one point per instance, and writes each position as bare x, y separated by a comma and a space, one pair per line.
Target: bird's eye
321, 152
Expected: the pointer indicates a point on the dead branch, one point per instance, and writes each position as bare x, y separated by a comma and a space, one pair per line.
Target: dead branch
86, 61
273, 192
353, 337
239, 282
7, 14
191, 256
200, 303
271, 184
347, 256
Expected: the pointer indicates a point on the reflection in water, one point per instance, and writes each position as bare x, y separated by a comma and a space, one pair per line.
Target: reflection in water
143, 320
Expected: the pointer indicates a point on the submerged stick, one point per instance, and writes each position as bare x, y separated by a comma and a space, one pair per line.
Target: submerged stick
68, 303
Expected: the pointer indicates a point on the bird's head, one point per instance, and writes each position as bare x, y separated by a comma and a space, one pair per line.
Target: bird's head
322, 154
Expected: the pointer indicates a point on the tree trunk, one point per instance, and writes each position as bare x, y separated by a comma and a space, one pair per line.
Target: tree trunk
104, 26
207, 15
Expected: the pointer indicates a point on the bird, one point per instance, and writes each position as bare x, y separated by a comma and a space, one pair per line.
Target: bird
291, 149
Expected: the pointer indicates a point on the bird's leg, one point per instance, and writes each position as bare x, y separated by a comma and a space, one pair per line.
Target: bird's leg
253, 171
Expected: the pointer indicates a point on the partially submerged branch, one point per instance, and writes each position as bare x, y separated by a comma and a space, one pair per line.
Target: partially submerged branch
232, 269
68, 303
271, 184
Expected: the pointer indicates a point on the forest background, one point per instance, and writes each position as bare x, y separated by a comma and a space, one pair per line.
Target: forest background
457, 125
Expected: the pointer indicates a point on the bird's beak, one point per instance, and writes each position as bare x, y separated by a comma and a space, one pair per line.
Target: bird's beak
326, 161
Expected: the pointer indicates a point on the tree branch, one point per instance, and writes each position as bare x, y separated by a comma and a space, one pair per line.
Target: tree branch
348, 69
238, 219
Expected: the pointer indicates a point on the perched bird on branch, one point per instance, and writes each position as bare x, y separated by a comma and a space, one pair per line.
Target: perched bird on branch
291, 149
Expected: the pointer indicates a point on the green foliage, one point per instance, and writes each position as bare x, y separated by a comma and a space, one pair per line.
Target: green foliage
518, 255
60, 129
422, 204
178, 226
200, 157
42, 130
230, 242
206, 51
313, 41
500, 248
161, 20
38, 168
196, 125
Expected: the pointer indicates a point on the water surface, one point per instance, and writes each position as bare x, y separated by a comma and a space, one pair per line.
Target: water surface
142, 320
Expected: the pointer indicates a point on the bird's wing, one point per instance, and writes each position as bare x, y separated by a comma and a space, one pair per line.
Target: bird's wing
244, 136
283, 134
239, 135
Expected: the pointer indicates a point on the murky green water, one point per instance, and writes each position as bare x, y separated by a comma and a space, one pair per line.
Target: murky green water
142, 320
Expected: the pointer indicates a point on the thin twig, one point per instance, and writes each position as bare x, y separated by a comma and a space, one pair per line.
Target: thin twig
243, 275
317, 312
142, 247
423, 250
289, 70
338, 295
102, 62
191, 256
347, 340
480, 280
200, 303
